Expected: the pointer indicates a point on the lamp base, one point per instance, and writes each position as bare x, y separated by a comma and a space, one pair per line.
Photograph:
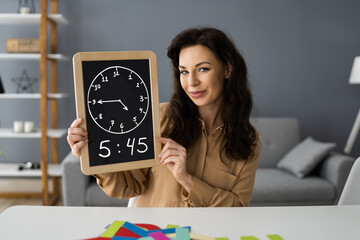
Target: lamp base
353, 134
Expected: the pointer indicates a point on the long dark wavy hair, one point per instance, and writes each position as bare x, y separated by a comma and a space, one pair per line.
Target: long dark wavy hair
239, 134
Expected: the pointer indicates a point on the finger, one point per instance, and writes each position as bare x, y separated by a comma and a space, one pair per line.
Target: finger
76, 122
171, 152
173, 146
76, 149
169, 160
77, 131
163, 140
72, 139
169, 144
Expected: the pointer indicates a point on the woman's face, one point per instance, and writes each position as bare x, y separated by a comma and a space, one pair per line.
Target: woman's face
202, 75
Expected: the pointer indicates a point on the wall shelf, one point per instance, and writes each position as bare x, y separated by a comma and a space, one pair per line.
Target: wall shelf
16, 18
51, 133
31, 56
32, 95
11, 170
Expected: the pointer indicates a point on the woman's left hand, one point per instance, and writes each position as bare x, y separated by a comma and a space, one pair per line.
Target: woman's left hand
173, 155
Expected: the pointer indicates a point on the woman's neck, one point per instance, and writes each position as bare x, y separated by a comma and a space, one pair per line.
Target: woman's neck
211, 117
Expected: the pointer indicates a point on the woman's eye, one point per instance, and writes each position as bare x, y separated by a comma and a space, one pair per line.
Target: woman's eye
184, 72
204, 69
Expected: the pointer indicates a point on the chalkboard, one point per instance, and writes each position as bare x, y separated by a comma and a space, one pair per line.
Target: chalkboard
117, 97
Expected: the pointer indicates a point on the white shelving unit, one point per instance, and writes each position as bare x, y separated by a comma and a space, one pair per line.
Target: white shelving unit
48, 76
11, 170
15, 18
32, 95
51, 133
31, 56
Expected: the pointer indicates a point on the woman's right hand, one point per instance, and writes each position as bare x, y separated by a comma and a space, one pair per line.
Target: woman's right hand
77, 137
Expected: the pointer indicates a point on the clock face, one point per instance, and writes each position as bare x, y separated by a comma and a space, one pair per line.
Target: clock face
118, 100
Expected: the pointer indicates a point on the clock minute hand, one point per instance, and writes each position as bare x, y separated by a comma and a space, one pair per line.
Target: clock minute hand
116, 100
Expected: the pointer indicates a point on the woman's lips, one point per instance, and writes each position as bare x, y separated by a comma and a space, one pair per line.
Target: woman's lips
197, 94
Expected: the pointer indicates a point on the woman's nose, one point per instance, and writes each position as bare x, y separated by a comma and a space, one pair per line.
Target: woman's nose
193, 80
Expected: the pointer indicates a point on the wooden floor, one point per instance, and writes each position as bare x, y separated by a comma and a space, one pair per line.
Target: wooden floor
8, 202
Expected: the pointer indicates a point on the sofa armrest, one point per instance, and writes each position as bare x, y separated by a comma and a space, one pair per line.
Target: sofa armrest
335, 169
74, 182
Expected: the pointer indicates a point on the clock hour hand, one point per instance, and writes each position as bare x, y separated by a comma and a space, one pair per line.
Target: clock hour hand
111, 101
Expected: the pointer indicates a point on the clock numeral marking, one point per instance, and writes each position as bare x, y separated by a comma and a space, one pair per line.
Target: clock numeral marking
131, 145
97, 86
122, 127
116, 73
143, 144
141, 110
102, 147
134, 120
100, 116
139, 143
93, 102
112, 124
137, 85
104, 79
130, 78
142, 98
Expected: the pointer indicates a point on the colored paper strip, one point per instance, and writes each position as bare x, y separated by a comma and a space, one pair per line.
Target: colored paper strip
97, 238
182, 234
274, 237
146, 238
123, 232
158, 236
222, 238
123, 238
172, 226
248, 238
168, 230
112, 229
136, 229
147, 226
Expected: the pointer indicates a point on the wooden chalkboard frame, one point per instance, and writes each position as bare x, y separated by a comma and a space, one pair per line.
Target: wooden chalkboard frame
78, 59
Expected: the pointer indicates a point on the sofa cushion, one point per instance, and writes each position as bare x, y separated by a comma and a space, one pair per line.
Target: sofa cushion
96, 197
277, 137
305, 156
274, 185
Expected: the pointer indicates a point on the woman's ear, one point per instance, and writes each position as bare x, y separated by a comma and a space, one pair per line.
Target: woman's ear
228, 70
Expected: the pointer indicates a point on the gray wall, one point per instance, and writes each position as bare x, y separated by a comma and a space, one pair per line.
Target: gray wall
299, 55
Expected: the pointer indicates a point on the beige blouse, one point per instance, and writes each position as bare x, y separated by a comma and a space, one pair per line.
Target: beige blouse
216, 183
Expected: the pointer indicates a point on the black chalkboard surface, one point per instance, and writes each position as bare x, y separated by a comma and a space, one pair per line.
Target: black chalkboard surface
117, 97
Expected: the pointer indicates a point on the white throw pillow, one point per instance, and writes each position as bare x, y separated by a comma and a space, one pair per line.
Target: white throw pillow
305, 156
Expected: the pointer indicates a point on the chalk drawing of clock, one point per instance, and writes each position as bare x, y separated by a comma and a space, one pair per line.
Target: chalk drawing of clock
118, 100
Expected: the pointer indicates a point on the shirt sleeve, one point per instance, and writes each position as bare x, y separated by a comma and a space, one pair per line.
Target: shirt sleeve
125, 184
204, 195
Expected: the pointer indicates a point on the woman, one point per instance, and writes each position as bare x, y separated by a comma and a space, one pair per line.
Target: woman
210, 149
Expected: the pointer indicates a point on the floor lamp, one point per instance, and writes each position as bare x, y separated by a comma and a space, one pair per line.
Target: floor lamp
354, 79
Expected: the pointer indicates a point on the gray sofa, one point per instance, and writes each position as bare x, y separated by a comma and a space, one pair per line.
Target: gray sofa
277, 187
273, 186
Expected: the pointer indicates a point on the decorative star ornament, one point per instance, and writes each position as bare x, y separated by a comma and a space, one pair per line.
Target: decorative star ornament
24, 83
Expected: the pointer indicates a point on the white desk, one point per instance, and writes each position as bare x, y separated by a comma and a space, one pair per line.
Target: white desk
291, 223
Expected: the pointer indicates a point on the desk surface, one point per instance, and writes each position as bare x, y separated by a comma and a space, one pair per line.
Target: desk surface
291, 223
